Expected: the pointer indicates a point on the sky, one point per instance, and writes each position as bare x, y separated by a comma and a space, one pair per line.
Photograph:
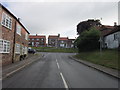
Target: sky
55, 17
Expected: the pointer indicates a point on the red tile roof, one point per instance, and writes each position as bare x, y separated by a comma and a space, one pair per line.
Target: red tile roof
63, 38
109, 30
116, 29
52, 36
38, 36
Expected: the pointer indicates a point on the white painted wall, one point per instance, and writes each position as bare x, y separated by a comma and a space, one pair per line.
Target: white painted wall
111, 42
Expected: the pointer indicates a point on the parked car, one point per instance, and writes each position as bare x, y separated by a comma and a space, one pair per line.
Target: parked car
33, 51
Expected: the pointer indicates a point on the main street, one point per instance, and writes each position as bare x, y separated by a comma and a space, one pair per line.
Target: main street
57, 70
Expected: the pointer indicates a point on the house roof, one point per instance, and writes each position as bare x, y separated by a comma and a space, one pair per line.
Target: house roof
71, 39
116, 29
38, 36
106, 29
63, 38
17, 19
53, 36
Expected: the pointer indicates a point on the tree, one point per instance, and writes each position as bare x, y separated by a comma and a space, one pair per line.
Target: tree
86, 25
88, 40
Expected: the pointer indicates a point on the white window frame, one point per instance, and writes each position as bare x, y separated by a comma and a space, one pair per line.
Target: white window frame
17, 48
26, 50
26, 36
18, 29
6, 21
62, 41
37, 39
5, 46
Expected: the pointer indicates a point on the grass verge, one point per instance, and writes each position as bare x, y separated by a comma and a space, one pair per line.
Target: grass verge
108, 58
51, 49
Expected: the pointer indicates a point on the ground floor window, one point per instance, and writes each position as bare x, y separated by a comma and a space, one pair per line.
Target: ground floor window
4, 46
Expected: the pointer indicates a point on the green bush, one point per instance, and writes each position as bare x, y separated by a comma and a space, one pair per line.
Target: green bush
88, 40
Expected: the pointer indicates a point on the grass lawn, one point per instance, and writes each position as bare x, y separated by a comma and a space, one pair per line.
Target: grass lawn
52, 49
108, 58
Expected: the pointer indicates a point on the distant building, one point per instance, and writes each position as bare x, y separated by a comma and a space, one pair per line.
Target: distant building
63, 42
13, 37
37, 40
70, 43
53, 40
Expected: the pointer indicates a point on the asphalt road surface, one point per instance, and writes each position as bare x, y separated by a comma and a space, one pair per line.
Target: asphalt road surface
57, 70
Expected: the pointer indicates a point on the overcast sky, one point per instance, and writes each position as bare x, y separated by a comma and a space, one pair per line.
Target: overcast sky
51, 18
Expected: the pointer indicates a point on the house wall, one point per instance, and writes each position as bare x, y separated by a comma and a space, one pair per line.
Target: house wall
53, 42
63, 43
20, 39
0, 33
7, 34
111, 41
10, 35
42, 42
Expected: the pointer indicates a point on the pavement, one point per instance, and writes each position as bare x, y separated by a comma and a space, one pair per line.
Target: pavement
57, 70
106, 70
15, 67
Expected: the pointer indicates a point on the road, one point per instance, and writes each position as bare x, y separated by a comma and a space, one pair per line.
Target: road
57, 70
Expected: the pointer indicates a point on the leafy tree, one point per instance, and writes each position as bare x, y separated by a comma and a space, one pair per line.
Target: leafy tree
88, 40
86, 25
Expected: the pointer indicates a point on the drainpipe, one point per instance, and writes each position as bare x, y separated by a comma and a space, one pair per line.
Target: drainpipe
13, 53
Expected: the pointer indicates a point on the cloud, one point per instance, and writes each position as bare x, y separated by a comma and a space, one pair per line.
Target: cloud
61, 17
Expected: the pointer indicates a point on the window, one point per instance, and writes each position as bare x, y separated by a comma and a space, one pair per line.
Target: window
62, 41
17, 48
37, 39
32, 38
18, 29
1, 46
6, 21
115, 36
26, 36
26, 50
72, 41
32, 43
61, 45
4, 46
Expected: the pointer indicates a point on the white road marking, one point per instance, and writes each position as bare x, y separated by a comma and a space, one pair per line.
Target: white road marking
17, 70
58, 66
56, 61
65, 84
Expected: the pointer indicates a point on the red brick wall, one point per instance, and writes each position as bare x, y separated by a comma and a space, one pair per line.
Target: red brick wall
8, 34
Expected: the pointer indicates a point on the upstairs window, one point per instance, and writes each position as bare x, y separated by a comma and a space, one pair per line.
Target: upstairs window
6, 21
37, 39
18, 29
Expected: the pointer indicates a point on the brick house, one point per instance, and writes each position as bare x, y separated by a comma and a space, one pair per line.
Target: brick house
53, 40
63, 42
13, 38
70, 43
37, 40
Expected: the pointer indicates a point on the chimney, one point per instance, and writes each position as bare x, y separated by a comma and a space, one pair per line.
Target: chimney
58, 35
19, 19
115, 24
